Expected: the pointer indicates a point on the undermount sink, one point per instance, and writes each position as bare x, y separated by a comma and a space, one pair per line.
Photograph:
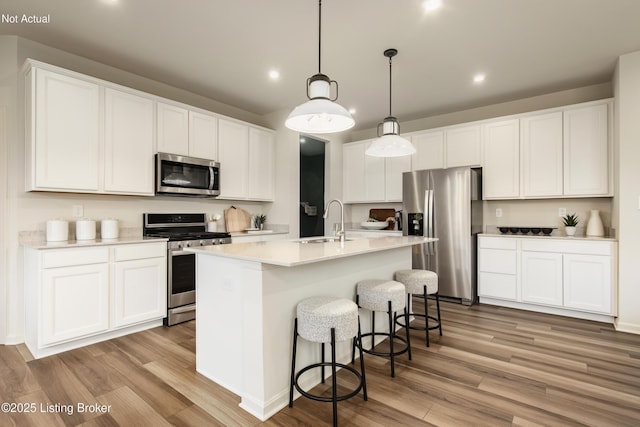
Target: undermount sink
320, 240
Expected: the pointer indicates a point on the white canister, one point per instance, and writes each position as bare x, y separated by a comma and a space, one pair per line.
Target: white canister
595, 227
212, 226
109, 228
57, 230
85, 229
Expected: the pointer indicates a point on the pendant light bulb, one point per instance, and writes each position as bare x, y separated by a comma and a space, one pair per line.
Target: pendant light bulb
389, 142
320, 114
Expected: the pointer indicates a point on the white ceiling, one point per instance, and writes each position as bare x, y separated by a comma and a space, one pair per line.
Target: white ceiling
224, 49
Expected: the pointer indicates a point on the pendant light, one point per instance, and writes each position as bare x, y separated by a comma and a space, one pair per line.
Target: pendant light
390, 144
320, 114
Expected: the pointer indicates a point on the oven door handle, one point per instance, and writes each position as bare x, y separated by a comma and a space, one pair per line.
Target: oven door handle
180, 253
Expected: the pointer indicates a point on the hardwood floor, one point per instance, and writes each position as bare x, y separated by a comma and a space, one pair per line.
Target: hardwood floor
493, 367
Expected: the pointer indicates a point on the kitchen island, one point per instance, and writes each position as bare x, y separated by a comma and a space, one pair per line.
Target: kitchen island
246, 299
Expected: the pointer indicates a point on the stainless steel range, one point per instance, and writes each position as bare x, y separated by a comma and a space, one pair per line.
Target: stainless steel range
183, 231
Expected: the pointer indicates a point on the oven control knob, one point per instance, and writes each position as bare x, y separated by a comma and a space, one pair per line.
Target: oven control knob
202, 242
179, 245
187, 245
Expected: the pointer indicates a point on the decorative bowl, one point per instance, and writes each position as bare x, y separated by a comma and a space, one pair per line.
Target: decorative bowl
374, 225
536, 230
514, 230
524, 230
503, 230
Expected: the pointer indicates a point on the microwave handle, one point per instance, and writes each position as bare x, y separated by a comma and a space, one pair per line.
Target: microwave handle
211, 177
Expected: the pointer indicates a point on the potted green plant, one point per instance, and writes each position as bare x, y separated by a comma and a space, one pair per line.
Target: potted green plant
259, 221
570, 223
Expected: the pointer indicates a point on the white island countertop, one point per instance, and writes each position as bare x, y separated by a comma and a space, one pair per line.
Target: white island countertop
290, 253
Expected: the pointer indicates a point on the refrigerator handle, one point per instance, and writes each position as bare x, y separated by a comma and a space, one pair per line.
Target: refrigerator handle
429, 212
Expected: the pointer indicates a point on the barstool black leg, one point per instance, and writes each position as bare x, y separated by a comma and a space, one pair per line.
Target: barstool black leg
293, 361
334, 384
392, 334
364, 378
406, 322
439, 318
373, 329
426, 316
322, 367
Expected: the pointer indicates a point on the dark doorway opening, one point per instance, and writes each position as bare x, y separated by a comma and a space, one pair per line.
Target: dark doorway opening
312, 156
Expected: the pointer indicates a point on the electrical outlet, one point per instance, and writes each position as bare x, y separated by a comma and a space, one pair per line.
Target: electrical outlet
78, 211
562, 212
498, 213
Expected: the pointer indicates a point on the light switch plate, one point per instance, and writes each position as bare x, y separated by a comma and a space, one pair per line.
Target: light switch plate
78, 211
498, 213
562, 212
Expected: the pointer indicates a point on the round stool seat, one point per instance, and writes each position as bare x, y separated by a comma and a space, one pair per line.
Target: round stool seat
375, 294
317, 315
416, 280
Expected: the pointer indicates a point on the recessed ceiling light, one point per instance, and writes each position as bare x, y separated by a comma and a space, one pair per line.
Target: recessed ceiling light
431, 5
110, 1
352, 110
274, 75
479, 78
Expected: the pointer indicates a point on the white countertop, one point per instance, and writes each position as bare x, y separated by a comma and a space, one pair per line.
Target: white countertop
551, 237
290, 253
42, 244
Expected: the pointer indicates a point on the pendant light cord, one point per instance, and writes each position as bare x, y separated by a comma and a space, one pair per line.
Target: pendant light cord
319, 33
390, 86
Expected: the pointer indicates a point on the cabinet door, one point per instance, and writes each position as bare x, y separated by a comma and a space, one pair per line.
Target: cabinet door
501, 161
173, 129
586, 151
462, 146
233, 154
588, 283
139, 291
429, 150
353, 188
542, 278
128, 143
394, 168
261, 164
67, 133
75, 302
541, 139
374, 177
203, 135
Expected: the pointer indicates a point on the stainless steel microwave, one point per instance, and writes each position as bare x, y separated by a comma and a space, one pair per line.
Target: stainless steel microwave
186, 176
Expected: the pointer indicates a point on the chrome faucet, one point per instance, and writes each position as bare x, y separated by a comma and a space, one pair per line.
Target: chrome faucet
340, 232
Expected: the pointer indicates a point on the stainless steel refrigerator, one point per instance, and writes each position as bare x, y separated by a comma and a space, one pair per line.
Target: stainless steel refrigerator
446, 204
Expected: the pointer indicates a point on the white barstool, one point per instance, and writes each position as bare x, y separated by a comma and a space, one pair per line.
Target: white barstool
421, 283
327, 320
386, 296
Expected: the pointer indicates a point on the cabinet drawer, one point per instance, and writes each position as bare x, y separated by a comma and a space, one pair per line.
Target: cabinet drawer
75, 256
498, 261
495, 285
139, 251
497, 242
567, 246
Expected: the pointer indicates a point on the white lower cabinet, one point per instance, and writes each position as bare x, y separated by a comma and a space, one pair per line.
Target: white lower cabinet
542, 278
77, 296
75, 302
572, 277
136, 294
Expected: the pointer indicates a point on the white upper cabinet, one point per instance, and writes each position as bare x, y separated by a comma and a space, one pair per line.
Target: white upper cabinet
587, 151
128, 147
463, 146
429, 150
187, 132
501, 160
233, 154
203, 135
173, 129
371, 179
247, 161
542, 155
63, 132
261, 164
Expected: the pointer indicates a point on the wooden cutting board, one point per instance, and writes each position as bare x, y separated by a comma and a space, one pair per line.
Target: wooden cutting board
236, 219
383, 214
